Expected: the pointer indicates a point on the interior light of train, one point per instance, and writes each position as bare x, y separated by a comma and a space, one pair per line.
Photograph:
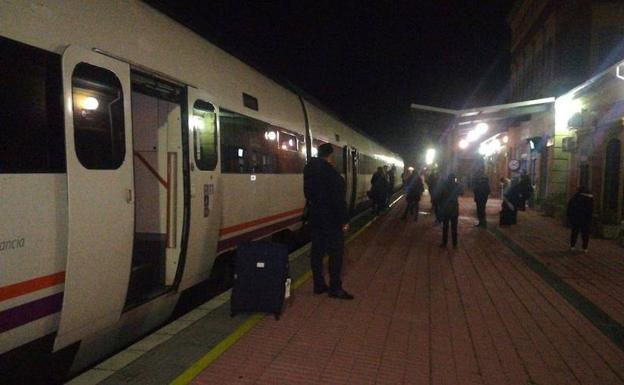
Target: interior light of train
291, 143
241, 152
284, 147
314, 151
270, 135
89, 103
197, 122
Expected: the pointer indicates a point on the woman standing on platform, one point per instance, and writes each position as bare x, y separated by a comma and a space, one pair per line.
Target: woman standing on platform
580, 210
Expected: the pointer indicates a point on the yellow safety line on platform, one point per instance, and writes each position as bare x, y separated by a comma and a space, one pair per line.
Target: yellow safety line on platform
193, 371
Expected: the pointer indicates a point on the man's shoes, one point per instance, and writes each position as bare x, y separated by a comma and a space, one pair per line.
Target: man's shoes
340, 294
320, 289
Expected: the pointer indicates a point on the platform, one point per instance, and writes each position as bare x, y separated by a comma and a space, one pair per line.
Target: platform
509, 306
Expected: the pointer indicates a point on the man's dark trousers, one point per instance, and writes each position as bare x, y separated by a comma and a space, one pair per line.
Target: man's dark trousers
481, 211
445, 227
327, 241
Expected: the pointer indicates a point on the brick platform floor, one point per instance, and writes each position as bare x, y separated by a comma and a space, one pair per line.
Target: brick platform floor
426, 315
598, 275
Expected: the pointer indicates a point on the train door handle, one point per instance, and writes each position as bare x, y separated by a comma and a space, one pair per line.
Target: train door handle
129, 195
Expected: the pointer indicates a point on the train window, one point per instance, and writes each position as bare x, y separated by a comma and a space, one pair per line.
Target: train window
262, 143
204, 124
287, 142
31, 110
98, 117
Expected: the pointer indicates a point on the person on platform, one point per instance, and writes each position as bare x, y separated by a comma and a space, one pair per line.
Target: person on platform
579, 213
481, 191
448, 201
324, 190
391, 181
432, 185
525, 191
413, 191
509, 206
379, 190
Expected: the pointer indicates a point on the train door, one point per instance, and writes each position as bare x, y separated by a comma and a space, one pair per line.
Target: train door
157, 109
98, 139
346, 173
353, 165
204, 164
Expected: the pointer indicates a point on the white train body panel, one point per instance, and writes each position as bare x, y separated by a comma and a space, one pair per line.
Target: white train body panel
215, 209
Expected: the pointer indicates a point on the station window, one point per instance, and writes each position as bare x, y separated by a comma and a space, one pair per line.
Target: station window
99, 131
204, 122
31, 112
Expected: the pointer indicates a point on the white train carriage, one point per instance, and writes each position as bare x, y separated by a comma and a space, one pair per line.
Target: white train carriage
132, 154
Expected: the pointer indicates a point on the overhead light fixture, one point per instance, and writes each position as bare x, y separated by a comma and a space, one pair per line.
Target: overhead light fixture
463, 144
430, 156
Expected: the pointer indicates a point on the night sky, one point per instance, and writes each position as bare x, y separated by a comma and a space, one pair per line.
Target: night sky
367, 61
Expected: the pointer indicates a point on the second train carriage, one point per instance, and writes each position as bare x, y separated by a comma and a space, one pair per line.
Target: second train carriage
132, 153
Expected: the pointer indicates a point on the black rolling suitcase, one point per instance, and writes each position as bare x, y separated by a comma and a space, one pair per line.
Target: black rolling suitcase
260, 274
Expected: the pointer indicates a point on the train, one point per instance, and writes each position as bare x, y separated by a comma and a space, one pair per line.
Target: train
134, 157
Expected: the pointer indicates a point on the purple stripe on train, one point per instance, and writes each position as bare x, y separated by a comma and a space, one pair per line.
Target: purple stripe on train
31, 311
255, 234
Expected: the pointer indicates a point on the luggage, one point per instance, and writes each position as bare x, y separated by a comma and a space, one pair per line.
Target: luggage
260, 276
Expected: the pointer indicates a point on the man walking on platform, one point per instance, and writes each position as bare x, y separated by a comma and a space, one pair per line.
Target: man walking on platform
324, 191
414, 188
449, 208
481, 193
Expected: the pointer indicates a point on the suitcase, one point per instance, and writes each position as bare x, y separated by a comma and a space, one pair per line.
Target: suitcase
260, 275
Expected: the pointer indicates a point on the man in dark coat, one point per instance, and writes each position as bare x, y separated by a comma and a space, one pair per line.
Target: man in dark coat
580, 210
448, 201
433, 186
379, 190
525, 191
324, 191
413, 191
481, 193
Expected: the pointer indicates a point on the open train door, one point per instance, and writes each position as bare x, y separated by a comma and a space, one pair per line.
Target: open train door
205, 166
352, 184
98, 140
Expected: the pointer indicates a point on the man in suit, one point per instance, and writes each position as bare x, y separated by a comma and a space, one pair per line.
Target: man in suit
324, 191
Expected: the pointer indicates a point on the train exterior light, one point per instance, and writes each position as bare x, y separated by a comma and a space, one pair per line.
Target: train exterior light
430, 156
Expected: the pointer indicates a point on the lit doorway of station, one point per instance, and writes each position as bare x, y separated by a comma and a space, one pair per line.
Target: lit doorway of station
156, 124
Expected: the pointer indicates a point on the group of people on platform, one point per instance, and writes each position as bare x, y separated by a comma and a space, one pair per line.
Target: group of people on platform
328, 217
382, 188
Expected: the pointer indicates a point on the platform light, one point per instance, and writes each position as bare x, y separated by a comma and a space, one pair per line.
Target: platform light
314, 151
505, 139
430, 156
481, 128
565, 108
463, 144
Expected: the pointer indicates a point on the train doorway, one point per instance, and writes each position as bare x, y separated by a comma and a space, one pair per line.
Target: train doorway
158, 179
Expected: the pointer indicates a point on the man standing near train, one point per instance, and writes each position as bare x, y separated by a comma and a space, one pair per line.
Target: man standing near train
324, 191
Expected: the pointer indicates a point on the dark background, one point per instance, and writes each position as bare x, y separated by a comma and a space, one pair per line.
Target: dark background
367, 61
